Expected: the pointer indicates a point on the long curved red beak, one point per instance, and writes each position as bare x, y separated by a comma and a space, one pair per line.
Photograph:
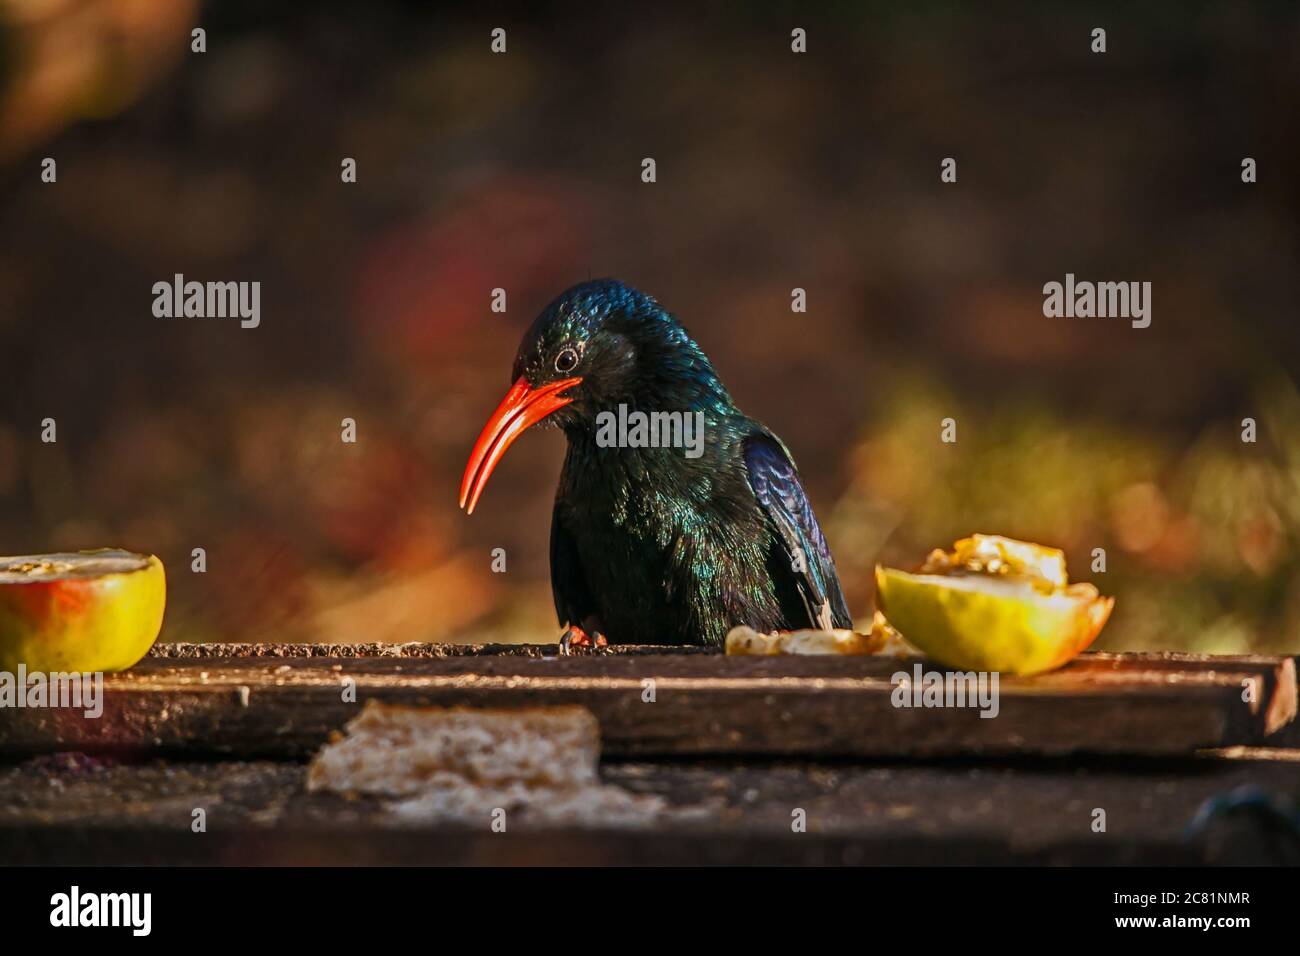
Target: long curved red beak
523, 407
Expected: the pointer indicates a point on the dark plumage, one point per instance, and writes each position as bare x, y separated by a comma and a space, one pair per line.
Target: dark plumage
649, 545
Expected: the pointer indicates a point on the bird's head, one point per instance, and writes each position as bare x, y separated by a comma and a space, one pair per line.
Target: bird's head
597, 345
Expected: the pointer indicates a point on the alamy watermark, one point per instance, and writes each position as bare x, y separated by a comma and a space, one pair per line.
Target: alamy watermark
133, 911
1102, 300
71, 689
209, 300
922, 688
636, 429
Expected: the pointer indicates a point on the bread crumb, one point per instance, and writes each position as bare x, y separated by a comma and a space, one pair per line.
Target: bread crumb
436, 764
883, 640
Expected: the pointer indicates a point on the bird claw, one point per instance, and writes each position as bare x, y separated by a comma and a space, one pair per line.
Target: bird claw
577, 637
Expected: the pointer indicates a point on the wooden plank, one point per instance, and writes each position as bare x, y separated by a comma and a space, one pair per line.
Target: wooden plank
95, 811
703, 704
1274, 678
368, 845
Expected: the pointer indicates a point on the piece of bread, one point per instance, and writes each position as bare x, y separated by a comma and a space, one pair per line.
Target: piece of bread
600, 805
746, 640
402, 751
883, 640
464, 765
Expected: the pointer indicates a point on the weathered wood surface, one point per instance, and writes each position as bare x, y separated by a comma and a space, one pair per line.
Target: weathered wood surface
92, 811
703, 704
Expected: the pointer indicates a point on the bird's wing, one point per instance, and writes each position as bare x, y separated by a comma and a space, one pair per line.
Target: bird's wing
573, 601
775, 481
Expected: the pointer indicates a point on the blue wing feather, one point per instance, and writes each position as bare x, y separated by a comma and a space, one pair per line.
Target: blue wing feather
775, 482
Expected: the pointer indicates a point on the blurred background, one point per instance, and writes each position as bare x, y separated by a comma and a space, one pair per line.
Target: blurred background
775, 171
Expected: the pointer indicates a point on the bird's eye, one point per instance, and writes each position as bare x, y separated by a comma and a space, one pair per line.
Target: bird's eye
566, 361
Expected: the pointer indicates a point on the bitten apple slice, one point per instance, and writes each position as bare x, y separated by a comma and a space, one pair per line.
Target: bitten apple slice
993, 604
84, 611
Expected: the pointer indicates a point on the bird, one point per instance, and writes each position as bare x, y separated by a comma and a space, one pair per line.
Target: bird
657, 545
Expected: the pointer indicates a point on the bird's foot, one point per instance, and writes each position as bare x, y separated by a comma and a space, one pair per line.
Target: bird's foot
575, 636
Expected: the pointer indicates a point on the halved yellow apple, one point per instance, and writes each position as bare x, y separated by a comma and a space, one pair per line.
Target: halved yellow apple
79, 611
993, 604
